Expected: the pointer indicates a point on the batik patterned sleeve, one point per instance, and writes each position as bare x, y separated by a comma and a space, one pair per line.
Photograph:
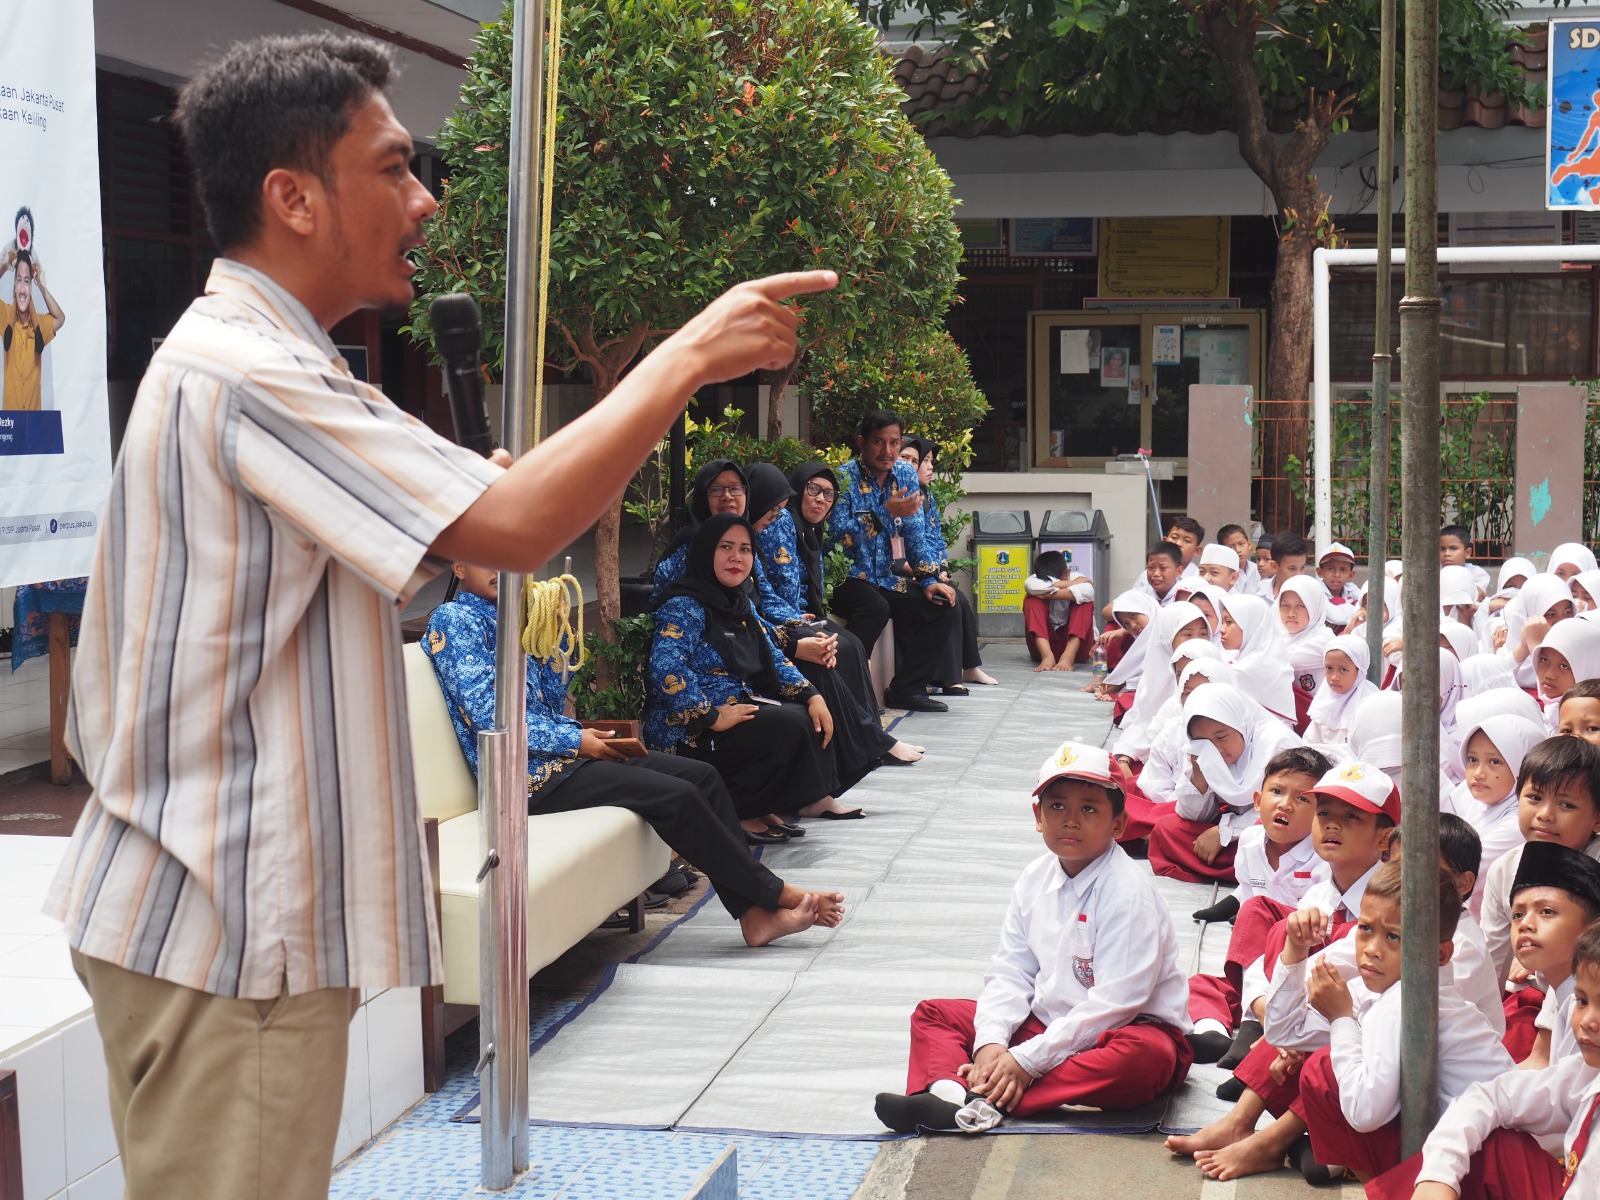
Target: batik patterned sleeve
678, 707
847, 525
463, 661
793, 684
551, 733
779, 550
773, 606
922, 553
935, 528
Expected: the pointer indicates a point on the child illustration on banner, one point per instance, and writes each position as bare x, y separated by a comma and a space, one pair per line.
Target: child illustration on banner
24, 331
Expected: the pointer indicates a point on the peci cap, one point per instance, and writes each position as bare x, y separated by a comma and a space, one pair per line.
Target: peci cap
1550, 864
1216, 555
1077, 760
1337, 550
1364, 786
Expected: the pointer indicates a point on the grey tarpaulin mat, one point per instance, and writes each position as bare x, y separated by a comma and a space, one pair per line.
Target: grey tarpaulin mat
796, 1038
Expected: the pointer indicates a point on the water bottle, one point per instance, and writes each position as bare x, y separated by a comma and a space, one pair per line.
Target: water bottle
1100, 668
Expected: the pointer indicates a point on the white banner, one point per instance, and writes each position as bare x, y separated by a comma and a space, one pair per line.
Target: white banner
55, 442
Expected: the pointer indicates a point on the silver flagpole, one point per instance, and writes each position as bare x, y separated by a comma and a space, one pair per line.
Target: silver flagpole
503, 754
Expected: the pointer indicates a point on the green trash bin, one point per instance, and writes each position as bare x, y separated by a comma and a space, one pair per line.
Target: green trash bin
1002, 542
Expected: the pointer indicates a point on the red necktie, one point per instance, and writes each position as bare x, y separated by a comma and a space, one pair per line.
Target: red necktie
1579, 1145
1341, 915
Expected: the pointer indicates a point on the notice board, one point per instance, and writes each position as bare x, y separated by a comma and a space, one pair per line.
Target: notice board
1151, 257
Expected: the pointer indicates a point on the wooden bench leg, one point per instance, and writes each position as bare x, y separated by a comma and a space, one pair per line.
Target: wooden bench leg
10, 1139
433, 1056
636, 914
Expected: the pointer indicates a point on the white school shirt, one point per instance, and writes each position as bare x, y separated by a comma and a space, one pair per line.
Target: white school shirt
1365, 1048
1060, 610
1554, 1102
1297, 872
1142, 584
1555, 1016
1167, 761
1339, 614
1480, 579
1325, 896
1085, 955
1497, 829
1194, 805
1495, 912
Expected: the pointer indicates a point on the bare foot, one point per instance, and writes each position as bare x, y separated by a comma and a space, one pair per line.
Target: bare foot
1066, 664
1045, 664
763, 925
904, 752
1222, 1132
830, 907
1256, 1155
979, 675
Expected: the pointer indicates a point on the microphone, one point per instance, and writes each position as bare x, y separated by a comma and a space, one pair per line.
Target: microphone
458, 338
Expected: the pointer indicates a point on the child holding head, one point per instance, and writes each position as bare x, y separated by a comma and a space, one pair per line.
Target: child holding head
1492, 753
1150, 796
1173, 625
1231, 741
1083, 1002
1491, 1141
1058, 612
1343, 690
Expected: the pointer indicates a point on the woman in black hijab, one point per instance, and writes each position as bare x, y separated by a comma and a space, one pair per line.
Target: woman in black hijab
827, 654
720, 690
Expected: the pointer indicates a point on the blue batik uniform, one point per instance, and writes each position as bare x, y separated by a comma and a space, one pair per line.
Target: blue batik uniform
860, 522
689, 680
461, 644
781, 618
935, 531
778, 559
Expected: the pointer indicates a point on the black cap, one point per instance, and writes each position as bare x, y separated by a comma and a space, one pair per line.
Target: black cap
1550, 864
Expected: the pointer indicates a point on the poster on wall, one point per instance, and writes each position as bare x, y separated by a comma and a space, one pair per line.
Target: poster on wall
1572, 125
1155, 257
55, 442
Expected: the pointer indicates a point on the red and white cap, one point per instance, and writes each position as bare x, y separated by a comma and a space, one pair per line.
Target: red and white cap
1078, 760
1337, 550
1362, 785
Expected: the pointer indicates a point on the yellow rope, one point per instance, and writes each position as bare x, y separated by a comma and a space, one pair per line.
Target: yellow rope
548, 632
552, 82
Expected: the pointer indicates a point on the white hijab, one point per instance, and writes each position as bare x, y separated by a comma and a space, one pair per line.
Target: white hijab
1375, 732
1513, 736
1484, 672
1262, 660
1589, 581
1214, 597
1498, 702
1538, 596
1157, 685
1306, 648
1513, 567
1461, 639
1133, 657
1579, 643
1213, 669
1193, 651
1451, 688
1264, 735
1575, 554
1329, 709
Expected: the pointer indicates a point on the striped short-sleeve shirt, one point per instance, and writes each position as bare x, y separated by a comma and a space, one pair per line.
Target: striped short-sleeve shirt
238, 700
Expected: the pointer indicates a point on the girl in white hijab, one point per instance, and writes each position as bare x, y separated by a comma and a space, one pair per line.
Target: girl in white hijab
1375, 738
1343, 690
1208, 597
1586, 590
1260, 653
1195, 663
1173, 625
1514, 572
1571, 558
1142, 608
1483, 672
1498, 702
1491, 758
1231, 740
1457, 638
1543, 602
1302, 611
1569, 654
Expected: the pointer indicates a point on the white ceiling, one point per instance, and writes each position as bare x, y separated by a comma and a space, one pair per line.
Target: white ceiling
421, 19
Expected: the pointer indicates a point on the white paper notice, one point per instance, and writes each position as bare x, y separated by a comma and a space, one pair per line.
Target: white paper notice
1133, 385
1075, 351
1222, 356
1165, 346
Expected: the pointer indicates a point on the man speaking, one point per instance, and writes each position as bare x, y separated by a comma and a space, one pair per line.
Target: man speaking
252, 853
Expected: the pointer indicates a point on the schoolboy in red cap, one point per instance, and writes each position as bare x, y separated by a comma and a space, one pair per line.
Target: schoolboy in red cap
1083, 1002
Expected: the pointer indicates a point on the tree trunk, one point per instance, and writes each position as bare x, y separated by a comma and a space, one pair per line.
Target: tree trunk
1289, 354
608, 535
777, 381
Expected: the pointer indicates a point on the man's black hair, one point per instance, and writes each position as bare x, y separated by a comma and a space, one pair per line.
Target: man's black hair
1052, 564
1289, 545
270, 103
1169, 550
880, 418
1459, 845
1228, 531
1561, 760
1298, 760
1188, 525
24, 256
1460, 532
1584, 689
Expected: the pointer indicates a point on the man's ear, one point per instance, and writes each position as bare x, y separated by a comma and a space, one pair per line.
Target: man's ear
288, 199
1447, 951
1468, 881
459, 570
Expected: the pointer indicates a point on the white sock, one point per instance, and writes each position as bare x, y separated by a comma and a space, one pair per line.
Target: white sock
1211, 1026
949, 1090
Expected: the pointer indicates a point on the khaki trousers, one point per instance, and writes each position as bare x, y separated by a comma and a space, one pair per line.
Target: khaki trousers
214, 1098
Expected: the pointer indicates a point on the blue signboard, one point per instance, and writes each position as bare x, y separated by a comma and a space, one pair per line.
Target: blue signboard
1572, 130
1054, 237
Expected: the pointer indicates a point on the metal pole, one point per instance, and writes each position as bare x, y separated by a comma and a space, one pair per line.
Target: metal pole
1378, 527
503, 753
1419, 716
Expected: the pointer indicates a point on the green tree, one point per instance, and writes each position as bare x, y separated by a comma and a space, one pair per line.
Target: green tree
1131, 66
699, 142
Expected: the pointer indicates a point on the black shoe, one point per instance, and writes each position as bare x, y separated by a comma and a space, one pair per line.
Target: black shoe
955, 689
1225, 909
1310, 1169
907, 1114
1208, 1047
1243, 1041
918, 703
789, 829
1136, 847
764, 839
1230, 1089
889, 760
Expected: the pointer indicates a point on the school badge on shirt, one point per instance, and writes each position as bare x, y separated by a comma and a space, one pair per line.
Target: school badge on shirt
1083, 953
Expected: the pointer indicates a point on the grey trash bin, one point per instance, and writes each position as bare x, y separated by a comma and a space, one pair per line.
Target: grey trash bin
1085, 538
1002, 542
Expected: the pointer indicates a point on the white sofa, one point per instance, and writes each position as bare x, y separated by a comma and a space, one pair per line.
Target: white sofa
582, 866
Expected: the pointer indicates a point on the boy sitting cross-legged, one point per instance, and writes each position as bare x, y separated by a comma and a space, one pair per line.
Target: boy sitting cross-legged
1495, 1140
1083, 1002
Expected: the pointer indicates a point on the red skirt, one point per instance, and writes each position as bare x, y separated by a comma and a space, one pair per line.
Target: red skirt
1254, 1074
1172, 851
1332, 1139
1511, 1166
1143, 812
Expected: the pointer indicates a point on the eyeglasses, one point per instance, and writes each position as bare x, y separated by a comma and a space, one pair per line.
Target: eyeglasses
716, 493
818, 491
